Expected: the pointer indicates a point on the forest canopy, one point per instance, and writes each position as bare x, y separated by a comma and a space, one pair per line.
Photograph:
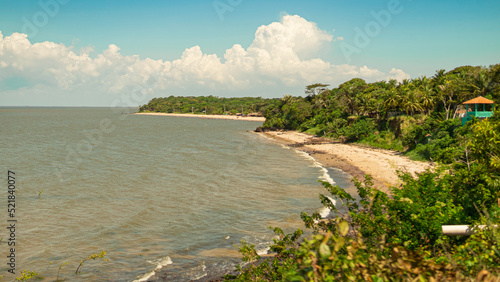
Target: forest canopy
208, 105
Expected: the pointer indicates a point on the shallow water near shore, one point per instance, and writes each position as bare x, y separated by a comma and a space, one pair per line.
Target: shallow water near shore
161, 195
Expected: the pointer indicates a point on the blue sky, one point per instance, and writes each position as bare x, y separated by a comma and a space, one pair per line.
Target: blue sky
418, 38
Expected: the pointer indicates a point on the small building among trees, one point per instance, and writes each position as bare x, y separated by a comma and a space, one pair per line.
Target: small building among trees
479, 107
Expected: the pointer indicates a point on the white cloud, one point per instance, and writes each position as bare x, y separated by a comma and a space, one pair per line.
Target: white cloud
294, 36
397, 74
283, 55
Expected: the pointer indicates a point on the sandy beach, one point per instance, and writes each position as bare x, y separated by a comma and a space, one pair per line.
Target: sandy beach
356, 160
206, 116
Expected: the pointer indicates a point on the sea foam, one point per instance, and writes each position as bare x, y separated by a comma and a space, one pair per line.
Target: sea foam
325, 176
324, 211
159, 263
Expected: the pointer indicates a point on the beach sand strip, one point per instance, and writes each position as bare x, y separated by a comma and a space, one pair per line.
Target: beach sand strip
353, 159
229, 117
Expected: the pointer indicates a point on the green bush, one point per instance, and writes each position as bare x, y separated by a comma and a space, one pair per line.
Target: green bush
481, 251
382, 238
384, 140
334, 128
317, 131
445, 143
412, 217
360, 129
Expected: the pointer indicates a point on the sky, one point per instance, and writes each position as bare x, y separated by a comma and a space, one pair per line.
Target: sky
124, 53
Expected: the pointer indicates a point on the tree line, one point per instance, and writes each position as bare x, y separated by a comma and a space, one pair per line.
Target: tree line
208, 105
399, 116
442, 93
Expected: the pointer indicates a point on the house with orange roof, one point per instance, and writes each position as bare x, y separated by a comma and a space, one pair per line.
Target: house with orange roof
479, 107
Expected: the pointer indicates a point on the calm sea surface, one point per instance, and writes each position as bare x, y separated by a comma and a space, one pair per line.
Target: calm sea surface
158, 194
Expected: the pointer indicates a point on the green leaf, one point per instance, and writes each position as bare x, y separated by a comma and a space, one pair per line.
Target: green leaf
324, 250
344, 228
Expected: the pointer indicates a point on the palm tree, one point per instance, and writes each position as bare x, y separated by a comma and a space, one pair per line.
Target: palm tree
411, 103
483, 84
287, 98
393, 101
447, 95
392, 83
365, 104
438, 80
426, 95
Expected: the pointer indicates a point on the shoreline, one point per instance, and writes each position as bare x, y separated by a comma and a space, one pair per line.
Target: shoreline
228, 117
353, 159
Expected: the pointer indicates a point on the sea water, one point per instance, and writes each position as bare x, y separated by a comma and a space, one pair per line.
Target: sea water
160, 195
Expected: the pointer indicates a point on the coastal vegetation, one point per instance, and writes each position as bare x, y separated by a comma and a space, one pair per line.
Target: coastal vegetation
377, 236
101, 255
399, 116
209, 105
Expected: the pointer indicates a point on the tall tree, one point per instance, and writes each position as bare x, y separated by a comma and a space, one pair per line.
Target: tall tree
316, 89
425, 93
347, 94
393, 101
483, 84
317, 94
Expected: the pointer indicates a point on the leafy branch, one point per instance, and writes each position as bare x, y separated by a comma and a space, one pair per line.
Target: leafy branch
101, 255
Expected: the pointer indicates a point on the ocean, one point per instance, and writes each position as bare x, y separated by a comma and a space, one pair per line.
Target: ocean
160, 195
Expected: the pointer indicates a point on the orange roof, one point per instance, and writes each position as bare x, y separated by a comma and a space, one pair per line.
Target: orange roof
479, 100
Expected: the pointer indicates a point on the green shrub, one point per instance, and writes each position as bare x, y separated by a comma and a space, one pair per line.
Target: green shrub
317, 131
360, 129
481, 250
334, 128
384, 140
378, 238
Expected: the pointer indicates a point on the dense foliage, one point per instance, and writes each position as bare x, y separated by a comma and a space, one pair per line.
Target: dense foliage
374, 236
381, 237
402, 116
208, 105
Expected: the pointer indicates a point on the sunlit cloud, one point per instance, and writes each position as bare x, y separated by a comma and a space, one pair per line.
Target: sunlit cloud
283, 54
